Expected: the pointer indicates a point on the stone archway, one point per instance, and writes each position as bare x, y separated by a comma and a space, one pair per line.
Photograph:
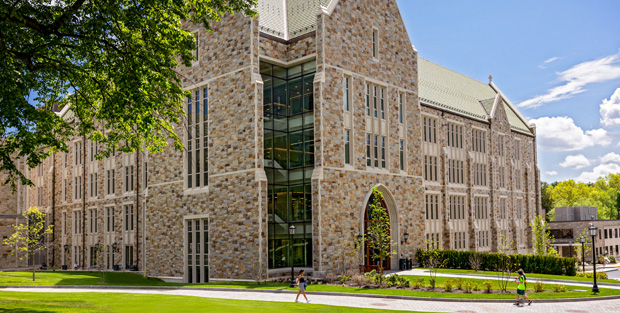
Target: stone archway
390, 205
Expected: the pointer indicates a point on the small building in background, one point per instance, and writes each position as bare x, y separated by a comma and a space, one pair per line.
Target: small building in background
571, 222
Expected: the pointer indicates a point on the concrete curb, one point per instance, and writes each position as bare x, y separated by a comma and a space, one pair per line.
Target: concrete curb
322, 293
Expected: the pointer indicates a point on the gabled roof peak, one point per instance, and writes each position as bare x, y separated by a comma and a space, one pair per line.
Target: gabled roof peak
287, 19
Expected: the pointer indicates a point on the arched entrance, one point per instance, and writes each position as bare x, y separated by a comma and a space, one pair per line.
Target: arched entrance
389, 205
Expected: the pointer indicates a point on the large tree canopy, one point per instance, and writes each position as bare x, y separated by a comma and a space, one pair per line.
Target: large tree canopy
113, 61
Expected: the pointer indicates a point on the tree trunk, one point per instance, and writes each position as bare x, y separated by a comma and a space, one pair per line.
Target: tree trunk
33, 268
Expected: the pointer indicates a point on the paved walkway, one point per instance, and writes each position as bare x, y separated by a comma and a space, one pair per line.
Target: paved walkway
600, 306
423, 272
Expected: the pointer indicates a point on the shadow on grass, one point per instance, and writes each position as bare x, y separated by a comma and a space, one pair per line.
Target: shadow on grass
23, 311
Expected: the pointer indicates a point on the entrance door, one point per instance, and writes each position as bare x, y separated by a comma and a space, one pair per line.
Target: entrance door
369, 262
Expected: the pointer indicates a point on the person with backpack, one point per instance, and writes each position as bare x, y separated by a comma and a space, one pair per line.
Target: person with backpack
302, 282
522, 280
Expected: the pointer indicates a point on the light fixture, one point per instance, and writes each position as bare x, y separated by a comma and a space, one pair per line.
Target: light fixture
405, 238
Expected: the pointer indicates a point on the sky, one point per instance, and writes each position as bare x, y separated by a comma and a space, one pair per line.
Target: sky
557, 61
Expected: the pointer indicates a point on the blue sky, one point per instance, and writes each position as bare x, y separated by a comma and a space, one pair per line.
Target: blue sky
558, 61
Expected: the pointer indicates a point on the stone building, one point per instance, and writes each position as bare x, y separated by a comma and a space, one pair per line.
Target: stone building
10, 215
293, 117
572, 222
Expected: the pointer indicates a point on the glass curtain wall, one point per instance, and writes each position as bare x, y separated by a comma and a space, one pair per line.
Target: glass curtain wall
289, 160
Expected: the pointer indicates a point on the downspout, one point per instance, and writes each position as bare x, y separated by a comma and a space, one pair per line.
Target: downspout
137, 259
53, 208
84, 202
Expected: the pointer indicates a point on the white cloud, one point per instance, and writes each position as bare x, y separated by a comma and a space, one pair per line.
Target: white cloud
576, 78
575, 161
610, 158
561, 134
610, 110
599, 171
551, 173
548, 61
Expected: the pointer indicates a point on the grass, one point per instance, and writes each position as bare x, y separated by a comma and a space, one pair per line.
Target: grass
131, 279
529, 276
21, 302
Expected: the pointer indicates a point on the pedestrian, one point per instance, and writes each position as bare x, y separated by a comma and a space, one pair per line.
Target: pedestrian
522, 280
302, 282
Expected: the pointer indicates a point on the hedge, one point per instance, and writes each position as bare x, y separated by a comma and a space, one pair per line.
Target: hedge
488, 261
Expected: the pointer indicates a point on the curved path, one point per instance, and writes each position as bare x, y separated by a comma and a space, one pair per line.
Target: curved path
597, 306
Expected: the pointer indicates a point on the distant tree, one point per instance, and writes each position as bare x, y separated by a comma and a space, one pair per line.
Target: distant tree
546, 199
114, 61
618, 205
542, 237
30, 239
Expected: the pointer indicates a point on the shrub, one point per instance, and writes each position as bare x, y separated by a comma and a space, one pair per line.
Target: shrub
599, 275
488, 285
612, 259
344, 278
529, 263
448, 285
468, 285
475, 262
330, 278
403, 282
476, 286
418, 282
539, 286
358, 279
458, 283
559, 288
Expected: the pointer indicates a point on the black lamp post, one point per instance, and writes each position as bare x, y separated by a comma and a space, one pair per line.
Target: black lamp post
593, 231
291, 233
582, 239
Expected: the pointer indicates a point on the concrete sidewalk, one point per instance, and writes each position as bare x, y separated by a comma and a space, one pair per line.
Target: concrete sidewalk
423, 272
596, 306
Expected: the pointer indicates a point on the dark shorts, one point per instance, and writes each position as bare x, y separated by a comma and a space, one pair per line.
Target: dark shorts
521, 292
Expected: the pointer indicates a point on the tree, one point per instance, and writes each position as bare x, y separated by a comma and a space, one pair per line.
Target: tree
113, 61
617, 204
546, 199
587, 247
542, 237
29, 239
378, 232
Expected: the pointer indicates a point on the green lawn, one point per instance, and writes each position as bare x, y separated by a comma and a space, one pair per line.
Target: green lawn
530, 277
130, 279
122, 302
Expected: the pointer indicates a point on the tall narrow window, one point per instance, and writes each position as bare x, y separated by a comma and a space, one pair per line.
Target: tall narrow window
368, 99
402, 155
400, 108
376, 151
346, 94
383, 152
198, 139
368, 149
374, 101
64, 223
197, 251
375, 43
382, 106
347, 147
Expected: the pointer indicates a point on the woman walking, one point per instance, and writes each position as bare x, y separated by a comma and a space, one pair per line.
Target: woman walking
302, 283
521, 287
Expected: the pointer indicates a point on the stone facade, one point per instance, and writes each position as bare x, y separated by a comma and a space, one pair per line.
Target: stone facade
9, 216
234, 202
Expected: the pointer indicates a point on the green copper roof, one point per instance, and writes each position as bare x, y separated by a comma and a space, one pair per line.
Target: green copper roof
488, 104
451, 91
516, 123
